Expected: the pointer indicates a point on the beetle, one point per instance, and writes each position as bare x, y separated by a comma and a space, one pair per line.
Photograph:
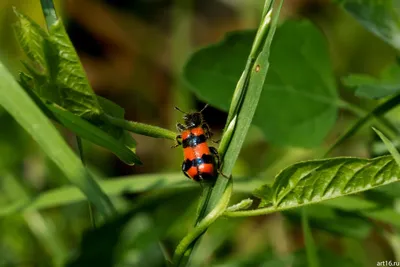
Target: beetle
201, 162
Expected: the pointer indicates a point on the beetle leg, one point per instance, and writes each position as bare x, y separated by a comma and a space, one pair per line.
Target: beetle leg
207, 130
180, 127
208, 133
184, 169
178, 140
214, 151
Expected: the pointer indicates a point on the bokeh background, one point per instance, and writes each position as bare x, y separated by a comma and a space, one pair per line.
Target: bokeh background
133, 53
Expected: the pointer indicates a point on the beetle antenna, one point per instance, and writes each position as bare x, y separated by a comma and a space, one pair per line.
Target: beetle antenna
204, 108
178, 109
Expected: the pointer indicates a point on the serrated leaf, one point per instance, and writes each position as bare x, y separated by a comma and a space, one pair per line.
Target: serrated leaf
314, 181
373, 88
31, 38
265, 194
299, 92
381, 17
115, 139
76, 93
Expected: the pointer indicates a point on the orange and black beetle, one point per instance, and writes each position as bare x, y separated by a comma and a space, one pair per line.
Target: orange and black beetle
201, 162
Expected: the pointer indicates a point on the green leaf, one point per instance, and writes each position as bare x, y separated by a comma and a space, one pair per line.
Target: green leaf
123, 148
112, 109
63, 79
314, 181
76, 94
370, 87
17, 102
113, 138
381, 17
31, 38
265, 194
299, 92
214, 67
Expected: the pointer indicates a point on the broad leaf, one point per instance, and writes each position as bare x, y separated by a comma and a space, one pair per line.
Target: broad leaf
317, 180
298, 105
381, 17
370, 87
105, 135
31, 38
43, 57
299, 92
265, 194
76, 94
56, 75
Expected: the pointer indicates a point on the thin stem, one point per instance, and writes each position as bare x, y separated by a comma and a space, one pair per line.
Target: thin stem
82, 156
189, 240
378, 111
385, 125
205, 197
248, 213
242, 110
141, 128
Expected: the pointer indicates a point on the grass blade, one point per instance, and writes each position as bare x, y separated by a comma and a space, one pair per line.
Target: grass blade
16, 101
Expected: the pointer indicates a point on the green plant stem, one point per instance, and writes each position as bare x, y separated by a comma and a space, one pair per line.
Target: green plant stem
49, 12
242, 109
378, 111
82, 156
141, 128
190, 238
386, 126
205, 197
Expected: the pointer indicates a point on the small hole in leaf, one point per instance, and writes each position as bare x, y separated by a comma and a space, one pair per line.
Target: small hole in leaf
258, 68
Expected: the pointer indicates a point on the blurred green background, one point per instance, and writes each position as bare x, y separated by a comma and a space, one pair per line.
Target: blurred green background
133, 53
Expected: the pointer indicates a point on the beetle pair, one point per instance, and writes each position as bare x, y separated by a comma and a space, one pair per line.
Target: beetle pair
201, 162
